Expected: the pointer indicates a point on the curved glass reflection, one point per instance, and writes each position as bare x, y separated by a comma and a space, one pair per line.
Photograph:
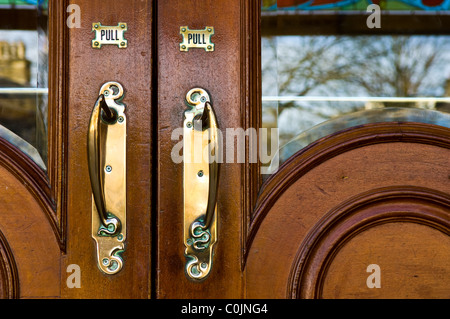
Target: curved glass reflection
22, 145
395, 114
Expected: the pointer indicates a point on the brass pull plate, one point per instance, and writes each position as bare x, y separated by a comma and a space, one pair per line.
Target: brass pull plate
198, 39
107, 168
200, 185
107, 35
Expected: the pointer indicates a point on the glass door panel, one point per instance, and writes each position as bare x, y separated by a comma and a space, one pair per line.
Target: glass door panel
24, 76
329, 65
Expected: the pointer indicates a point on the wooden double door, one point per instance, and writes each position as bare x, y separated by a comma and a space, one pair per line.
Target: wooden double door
362, 213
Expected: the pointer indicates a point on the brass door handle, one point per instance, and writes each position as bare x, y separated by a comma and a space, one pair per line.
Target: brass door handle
107, 172
214, 167
98, 130
201, 177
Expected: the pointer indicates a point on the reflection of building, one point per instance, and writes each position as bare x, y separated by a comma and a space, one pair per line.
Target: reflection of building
17, 111
13, 64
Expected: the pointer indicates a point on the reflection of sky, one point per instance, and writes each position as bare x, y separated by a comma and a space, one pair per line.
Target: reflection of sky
30, 39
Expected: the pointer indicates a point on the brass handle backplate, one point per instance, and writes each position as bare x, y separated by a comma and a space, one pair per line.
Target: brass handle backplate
201, 175
107, 171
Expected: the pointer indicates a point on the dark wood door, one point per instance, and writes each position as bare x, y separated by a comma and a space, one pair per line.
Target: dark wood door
365, 206
220, 73
88, 70
46, 244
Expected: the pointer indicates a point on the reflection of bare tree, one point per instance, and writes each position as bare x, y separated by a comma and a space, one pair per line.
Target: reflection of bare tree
394, 66
374, 66
303, 65
306, 63
402, 66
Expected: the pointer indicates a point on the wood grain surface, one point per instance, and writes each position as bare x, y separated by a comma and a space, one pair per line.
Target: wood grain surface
30, 248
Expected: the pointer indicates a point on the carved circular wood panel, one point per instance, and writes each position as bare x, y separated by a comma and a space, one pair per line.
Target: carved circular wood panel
394, 260
400, 234
372, 195
29, 242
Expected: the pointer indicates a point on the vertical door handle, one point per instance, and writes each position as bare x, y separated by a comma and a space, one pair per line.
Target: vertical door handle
201, 177
107, 172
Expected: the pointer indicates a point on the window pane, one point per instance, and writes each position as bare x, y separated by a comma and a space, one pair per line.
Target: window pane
24, 76
329, 65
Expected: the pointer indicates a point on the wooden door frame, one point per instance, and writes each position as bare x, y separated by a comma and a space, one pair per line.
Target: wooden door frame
58, 116
252, 109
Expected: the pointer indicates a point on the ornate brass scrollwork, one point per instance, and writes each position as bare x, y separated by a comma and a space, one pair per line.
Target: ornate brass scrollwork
201, 176
107, 171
